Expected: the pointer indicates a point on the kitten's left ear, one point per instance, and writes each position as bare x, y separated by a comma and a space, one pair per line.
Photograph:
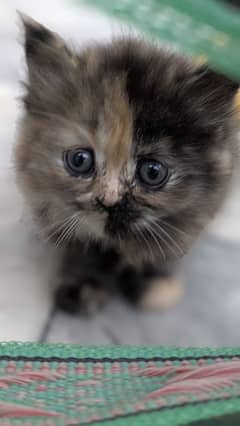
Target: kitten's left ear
214, 87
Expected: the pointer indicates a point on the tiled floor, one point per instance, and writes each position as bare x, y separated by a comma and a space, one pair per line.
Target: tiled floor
210, 311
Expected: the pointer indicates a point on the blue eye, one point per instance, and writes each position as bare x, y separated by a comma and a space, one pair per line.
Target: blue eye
79, 162
152, 173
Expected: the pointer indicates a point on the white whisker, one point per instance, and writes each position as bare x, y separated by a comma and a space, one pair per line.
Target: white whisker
175, 228
51, 231
70, 231
160, 235
157, 238
140, 233
66, 231
170, 239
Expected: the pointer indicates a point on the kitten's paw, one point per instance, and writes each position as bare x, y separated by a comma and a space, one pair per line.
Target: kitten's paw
161, 294
84, 298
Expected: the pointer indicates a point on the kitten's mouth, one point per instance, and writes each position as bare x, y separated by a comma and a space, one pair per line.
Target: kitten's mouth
118, 228
112, 223
116, 234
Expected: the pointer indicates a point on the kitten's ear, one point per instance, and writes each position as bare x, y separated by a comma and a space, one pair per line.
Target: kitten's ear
50, 66
40, 41
214, 87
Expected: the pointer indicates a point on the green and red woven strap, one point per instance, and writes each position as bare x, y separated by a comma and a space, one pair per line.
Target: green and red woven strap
206, 29
57, 385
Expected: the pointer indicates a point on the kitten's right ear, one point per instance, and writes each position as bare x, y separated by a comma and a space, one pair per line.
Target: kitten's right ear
38, 39
51, 66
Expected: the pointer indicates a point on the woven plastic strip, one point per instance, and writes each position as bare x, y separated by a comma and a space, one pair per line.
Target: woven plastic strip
57, 385
206, 29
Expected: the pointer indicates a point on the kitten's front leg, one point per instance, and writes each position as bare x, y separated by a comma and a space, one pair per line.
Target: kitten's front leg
151, 289
162, 293
86, 280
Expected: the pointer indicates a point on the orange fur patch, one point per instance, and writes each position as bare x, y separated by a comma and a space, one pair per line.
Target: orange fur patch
116, 139
118, 144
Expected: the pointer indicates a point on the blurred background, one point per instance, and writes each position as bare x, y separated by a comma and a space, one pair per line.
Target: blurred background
209, 314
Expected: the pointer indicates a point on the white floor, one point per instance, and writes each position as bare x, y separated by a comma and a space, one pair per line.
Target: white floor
25, 269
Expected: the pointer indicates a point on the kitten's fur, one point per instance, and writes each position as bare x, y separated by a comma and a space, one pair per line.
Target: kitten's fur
126, 100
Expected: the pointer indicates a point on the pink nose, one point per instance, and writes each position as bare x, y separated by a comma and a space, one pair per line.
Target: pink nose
105, 203
110, 198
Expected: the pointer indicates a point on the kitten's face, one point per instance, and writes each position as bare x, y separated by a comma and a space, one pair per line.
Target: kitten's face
123, 143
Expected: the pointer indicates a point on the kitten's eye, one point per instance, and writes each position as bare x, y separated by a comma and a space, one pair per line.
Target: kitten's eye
152, 173
79, 162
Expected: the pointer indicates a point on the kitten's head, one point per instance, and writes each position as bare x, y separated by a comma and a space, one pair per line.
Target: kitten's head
123, 143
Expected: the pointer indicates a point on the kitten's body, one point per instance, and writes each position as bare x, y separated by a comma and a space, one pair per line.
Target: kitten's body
132, 106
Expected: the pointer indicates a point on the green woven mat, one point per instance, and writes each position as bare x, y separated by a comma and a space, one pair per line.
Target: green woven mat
56, 385
207, 29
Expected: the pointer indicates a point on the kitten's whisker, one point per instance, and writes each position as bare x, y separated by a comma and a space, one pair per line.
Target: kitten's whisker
172, 244
71, 230
159, 233
55, 225
157, 240
66, 232
143, 239
56, 228
175, 228
61, 237
165, 241
82, 221
171, 240
62, 223
46, 235
64, 229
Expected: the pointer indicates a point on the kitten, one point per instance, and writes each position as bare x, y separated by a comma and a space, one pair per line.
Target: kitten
124, 154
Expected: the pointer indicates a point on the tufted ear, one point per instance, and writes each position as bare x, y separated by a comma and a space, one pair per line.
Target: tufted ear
213, 88
50, 64
40, 42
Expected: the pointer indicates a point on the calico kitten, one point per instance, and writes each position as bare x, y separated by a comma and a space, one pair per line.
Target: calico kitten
124, 154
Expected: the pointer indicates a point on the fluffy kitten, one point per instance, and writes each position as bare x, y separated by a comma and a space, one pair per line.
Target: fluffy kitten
125, 152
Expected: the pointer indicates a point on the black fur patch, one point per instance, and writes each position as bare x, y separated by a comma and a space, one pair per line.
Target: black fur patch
166, 107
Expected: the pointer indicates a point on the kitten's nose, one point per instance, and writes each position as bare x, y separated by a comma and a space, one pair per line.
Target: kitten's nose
105, 203
110, 198
109, 207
